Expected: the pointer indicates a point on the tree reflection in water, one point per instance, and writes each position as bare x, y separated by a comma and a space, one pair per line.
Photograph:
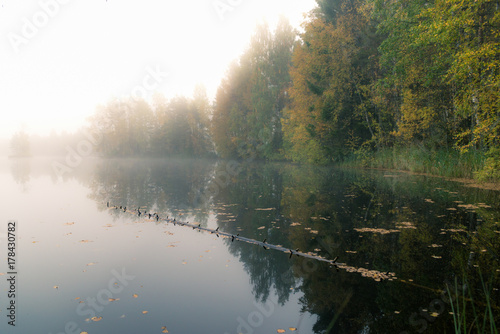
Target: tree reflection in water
427, 231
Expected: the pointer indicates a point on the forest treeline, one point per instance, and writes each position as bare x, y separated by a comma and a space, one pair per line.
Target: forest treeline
363, 77
366, 76
132, 127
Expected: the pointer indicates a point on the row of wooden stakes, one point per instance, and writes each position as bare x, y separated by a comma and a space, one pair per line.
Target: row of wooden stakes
219, 233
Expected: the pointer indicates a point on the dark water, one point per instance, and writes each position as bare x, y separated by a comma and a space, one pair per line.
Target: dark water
401, 242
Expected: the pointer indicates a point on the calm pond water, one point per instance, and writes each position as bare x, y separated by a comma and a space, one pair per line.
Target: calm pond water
401, 240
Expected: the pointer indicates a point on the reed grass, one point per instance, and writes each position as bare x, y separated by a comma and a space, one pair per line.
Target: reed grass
477, 320
443, 162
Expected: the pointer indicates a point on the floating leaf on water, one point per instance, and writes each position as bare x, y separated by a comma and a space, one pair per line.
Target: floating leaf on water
451, 209
144, 312
85, 241
314, 231
280, 330
56, 286
468, 206
292, 329
69, 223
453, 230
95, 319
135, 296
406, 225
437, 257
261, 228
375, 230
164, 329
352, 252
264, 209
113, 299
84, 333
295, 224
397, 312
434, 314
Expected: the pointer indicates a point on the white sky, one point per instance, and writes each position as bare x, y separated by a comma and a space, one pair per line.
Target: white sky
84, 52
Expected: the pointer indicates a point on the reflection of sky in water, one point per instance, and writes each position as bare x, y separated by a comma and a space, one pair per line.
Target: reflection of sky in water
194, 287
381, 225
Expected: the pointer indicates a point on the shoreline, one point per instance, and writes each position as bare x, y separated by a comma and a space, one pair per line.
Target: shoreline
468, 182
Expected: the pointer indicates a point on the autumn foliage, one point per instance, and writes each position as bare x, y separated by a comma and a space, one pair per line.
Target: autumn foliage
367, 75
363, 76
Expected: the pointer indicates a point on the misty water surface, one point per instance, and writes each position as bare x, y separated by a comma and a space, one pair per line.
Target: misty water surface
400, 239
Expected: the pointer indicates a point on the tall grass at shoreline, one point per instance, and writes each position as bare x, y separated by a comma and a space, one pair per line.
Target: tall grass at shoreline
443, 162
